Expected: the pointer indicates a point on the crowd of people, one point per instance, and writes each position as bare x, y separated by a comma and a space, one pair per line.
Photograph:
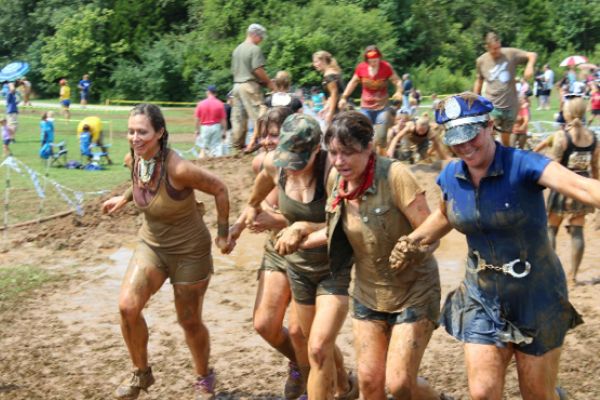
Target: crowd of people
351, 230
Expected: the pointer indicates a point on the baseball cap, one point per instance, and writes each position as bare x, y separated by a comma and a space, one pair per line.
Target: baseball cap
300, 134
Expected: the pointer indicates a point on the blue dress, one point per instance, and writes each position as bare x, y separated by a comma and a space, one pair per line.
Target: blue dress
505, 220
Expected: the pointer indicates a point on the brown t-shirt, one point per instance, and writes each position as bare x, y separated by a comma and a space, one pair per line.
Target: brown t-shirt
374, 283
499, 76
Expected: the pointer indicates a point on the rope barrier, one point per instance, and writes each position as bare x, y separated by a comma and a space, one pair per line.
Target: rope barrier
73, 198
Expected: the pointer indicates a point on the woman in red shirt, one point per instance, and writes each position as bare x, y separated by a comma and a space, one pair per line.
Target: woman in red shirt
373, 75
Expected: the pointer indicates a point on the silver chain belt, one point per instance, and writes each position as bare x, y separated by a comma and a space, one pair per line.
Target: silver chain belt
506, 269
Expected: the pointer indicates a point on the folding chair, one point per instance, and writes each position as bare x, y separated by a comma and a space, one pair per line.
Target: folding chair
59, 154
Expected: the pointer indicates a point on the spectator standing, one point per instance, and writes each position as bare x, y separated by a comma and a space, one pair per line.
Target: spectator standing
497, 68
594, 102
6, 137
247, 66
407, 86
211, 123
12, 111
26, 91
65, 98
547, 89
84, 87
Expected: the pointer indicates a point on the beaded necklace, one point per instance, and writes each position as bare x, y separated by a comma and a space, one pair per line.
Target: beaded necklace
146, 168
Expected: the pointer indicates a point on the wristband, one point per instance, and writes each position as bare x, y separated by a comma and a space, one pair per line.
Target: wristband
223, 229
128, 195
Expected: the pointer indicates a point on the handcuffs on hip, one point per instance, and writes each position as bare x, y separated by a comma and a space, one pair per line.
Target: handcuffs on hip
506, 268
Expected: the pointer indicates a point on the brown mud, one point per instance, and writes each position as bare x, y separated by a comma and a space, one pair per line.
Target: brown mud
63, 341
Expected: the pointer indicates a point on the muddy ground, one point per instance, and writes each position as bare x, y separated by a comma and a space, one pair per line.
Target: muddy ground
63, 340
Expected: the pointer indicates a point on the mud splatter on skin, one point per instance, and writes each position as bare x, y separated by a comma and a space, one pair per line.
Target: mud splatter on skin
64, 342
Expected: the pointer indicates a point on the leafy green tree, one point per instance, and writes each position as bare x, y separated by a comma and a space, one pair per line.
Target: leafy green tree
80, 45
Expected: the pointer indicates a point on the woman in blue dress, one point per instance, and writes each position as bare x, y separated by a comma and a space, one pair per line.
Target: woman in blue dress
513, 301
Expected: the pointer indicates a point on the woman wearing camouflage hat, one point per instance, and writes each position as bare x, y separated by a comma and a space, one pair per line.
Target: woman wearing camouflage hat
298, 168
513, 301
373, 202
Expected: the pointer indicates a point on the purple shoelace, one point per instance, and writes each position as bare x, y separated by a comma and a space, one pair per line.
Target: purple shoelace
206, 383
294, 371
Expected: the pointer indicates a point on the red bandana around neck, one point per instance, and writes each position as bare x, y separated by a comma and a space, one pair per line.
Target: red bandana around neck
366, 182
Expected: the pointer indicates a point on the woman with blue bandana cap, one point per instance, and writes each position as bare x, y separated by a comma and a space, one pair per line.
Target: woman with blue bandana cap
513, 301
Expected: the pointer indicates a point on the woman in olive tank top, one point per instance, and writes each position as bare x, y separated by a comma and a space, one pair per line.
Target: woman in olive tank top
297, 168
173, 243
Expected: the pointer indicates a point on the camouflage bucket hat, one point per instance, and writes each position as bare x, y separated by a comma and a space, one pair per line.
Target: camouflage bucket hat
299, 136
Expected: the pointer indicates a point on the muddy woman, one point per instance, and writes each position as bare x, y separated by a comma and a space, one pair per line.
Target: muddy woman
297, 168
173, 242
273, 294
373, 202
513, 301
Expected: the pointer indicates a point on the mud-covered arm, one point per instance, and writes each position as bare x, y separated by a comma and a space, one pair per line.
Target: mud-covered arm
566, 182
315, 239
263, 184
290, 238
184, 174
432, 229
394, 143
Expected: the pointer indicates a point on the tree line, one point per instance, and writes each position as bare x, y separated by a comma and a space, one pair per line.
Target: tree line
171, 49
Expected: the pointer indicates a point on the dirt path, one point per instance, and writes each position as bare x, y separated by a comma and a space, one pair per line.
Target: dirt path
64, 341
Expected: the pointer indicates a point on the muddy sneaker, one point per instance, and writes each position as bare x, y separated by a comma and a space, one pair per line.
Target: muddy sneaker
294, 385
205, 386
562, 393
352, 392
130, 388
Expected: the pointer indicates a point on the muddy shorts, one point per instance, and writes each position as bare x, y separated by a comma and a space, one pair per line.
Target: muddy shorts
504, 119
562, 205
185, 269
271, 260
307, 285
532, 328
408, 315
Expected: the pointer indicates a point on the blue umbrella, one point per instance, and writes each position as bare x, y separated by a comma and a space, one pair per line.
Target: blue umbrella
13, 71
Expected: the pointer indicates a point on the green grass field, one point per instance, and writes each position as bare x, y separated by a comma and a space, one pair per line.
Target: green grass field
24, 202
17, 280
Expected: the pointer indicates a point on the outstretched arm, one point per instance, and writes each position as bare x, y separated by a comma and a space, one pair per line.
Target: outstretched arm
531, 58
570, 184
